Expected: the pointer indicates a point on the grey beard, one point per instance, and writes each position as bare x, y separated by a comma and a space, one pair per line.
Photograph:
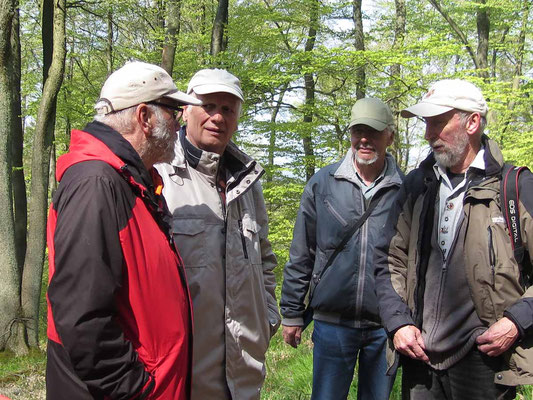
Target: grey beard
366, 162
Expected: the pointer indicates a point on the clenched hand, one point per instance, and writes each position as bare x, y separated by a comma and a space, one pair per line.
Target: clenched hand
292, 335
408, 341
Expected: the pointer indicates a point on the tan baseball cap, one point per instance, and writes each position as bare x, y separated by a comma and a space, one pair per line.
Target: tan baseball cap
139, 82
446, 95
371, 112
215, 80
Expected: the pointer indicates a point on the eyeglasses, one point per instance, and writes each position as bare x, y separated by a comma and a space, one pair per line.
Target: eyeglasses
176, 111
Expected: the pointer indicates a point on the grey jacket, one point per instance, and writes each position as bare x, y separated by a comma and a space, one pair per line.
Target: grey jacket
229, 264
331, 202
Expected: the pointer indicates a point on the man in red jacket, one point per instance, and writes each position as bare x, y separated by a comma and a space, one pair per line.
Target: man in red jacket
119, 314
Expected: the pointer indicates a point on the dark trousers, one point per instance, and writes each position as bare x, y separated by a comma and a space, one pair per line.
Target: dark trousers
471, 378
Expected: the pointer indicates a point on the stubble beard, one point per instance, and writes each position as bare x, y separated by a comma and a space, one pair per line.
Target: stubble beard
160, 146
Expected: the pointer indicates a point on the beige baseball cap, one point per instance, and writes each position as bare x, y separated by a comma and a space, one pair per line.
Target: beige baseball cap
215, 80
371, 112
139, 82
446, 95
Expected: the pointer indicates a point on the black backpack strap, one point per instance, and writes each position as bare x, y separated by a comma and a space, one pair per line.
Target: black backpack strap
510, 193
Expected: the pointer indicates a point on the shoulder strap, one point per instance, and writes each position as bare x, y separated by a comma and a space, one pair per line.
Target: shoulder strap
509, 191
354, 228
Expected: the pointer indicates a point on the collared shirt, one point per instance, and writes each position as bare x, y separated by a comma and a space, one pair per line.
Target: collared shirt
451, 202
369, 190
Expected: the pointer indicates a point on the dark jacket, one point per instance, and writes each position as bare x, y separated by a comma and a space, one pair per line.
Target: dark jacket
495, 287
332, 201
119, 315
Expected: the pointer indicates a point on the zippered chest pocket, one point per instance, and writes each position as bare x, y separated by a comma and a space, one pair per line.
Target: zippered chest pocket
249, 231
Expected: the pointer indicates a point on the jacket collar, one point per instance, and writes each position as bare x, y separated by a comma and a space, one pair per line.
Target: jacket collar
346, 171
235, 160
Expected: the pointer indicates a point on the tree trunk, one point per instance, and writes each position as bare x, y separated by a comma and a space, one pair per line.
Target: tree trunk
399, 144
171, 35
360, 88
272, 136
483, 29
10, 121
309, 82
53, 69
109, 44
218, 44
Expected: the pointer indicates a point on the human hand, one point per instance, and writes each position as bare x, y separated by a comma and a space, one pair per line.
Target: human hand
292, 335
408, 341
498, 338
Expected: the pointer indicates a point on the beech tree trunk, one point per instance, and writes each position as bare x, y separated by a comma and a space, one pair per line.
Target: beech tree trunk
54, 48
11, 323
172, 31
218, 41
360, 89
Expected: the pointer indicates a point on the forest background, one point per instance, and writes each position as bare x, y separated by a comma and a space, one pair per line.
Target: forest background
302, 64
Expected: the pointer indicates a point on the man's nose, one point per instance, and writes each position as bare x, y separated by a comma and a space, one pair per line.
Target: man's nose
217, 116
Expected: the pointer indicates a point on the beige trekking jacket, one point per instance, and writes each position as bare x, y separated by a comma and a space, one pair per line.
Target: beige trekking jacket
229, 264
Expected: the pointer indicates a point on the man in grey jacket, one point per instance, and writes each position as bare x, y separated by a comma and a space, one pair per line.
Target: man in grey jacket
346, 321
220, 227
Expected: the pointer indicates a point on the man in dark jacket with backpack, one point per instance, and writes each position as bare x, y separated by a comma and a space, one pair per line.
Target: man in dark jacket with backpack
341, 215
452, 296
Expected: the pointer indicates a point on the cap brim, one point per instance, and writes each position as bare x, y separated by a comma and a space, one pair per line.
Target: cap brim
216, 88
183, 98
373, 123
424, 110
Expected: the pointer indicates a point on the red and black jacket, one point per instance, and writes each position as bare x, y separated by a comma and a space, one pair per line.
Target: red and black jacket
119, 314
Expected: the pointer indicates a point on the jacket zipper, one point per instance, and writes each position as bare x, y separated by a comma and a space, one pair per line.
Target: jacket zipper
492, 255
241, 231
243, 239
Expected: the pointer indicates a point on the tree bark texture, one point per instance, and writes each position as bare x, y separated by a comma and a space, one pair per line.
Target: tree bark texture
399, 149
309, 83
218, 42
171, 35
10, 121
44, 133
109, 43
483, 30
359, 36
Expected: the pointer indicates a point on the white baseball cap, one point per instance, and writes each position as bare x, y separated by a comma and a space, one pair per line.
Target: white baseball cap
446, 95
139, 82
215, 80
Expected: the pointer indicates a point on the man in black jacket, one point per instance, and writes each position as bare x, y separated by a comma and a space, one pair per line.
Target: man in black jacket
119, 317
346, 321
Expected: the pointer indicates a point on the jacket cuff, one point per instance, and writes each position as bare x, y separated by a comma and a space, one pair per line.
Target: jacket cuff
520, 313
397, 322
292, 321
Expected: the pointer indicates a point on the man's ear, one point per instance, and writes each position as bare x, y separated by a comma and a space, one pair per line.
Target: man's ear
185, 116
473, 123
143, 115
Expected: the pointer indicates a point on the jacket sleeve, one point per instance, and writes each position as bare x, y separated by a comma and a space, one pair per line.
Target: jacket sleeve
391, 264
298, 270
521, 312
268, 260
88, 266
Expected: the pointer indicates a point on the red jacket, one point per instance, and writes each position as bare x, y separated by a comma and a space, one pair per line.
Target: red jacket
119, 314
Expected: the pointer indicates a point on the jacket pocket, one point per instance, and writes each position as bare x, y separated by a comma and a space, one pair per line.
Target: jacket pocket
190, 238
251, 246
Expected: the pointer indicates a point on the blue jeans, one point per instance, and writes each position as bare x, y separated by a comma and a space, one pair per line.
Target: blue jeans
334, 356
